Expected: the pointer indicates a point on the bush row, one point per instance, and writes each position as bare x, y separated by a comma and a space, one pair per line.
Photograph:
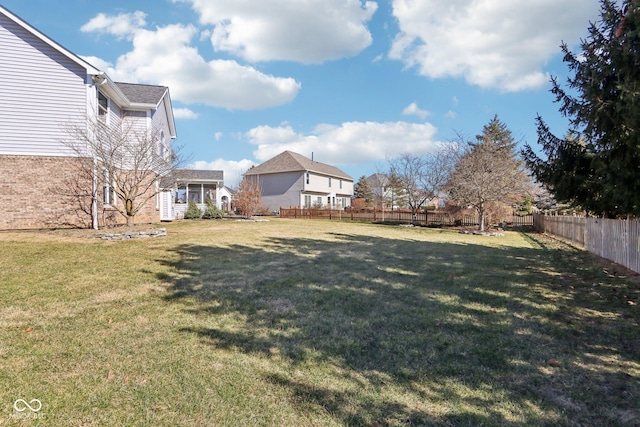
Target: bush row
211, 211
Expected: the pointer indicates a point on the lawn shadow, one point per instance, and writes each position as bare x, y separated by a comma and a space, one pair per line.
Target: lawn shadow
471, 334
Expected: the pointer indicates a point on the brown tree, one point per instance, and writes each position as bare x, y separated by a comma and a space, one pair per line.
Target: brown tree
420, 178
248, 198
489, 173
120, 168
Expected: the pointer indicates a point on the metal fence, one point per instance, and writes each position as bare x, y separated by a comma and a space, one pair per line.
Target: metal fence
613, 239
400, 216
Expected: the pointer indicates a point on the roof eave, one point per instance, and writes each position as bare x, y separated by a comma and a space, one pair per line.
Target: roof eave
166, 98
115, 93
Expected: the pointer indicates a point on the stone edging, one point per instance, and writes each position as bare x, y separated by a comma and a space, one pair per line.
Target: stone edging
156, 232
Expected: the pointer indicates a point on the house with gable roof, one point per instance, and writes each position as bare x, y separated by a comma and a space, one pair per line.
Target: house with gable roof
293, 180
44, 86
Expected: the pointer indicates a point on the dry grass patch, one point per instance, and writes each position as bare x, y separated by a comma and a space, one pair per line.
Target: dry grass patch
295, 323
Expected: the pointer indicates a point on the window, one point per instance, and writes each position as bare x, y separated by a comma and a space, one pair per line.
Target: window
307, 201
107, 196
194, 196
329, 182
209, 192
103, 104
341, 184
319, 201
307, 177
181, 194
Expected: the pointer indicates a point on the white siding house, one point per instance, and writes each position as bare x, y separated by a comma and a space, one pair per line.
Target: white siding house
44, 89
293, 180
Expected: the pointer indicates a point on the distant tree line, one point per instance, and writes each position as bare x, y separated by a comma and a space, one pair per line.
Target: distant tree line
594, 168
486, 174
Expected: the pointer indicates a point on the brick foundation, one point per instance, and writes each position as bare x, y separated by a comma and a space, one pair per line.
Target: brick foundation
35, 192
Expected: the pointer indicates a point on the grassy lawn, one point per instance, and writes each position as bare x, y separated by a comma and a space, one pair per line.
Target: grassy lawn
315, 323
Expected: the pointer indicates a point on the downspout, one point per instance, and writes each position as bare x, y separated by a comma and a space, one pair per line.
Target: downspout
94, 196
98, 79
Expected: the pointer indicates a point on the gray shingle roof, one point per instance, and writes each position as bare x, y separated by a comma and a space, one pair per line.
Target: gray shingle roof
143, 94
194, 176
288, 161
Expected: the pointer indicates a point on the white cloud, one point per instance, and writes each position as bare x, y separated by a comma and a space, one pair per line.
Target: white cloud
165, 56
99, 63
310, 31
232, 170
122, 25
218, 136
184, 113
351, 143
413, 110
490, 43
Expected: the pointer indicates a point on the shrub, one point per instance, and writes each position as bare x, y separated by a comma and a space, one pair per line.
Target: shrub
212, 211
193, 211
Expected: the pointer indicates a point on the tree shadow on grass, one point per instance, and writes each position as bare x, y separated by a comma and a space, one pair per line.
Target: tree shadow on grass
421, 333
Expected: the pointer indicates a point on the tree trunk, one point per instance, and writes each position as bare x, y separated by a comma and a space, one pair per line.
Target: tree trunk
130, 221
482, 218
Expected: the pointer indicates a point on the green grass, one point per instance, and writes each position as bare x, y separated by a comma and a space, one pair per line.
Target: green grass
315, 323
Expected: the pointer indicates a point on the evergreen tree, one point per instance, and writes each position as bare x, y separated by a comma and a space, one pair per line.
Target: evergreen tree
362, 190
597, 165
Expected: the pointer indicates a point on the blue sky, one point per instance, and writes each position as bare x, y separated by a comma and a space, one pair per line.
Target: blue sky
353, 82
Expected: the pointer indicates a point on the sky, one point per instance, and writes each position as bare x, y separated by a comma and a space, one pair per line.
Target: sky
350, 83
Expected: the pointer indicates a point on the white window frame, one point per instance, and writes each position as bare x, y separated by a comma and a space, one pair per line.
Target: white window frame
108, 195
103, 110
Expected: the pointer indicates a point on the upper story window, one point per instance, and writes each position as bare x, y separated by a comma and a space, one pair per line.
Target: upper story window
341, 184
103, 104
307, 177
329, 182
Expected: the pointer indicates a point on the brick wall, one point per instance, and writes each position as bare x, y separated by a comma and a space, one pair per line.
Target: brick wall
46, 192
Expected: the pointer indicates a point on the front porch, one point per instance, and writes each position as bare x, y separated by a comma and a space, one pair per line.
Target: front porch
185, 186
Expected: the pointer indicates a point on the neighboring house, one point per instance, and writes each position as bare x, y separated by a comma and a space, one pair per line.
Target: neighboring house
292, 180
43, 88
190, 185
381, 192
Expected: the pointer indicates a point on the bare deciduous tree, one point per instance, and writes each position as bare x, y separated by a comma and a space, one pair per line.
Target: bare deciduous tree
489, 172
248, 198
423, 177
121, 161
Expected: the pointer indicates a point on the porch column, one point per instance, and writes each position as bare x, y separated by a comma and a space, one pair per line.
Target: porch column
218, 196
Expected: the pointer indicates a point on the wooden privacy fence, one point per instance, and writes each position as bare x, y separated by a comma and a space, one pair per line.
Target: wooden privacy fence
422, 218
614, 239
